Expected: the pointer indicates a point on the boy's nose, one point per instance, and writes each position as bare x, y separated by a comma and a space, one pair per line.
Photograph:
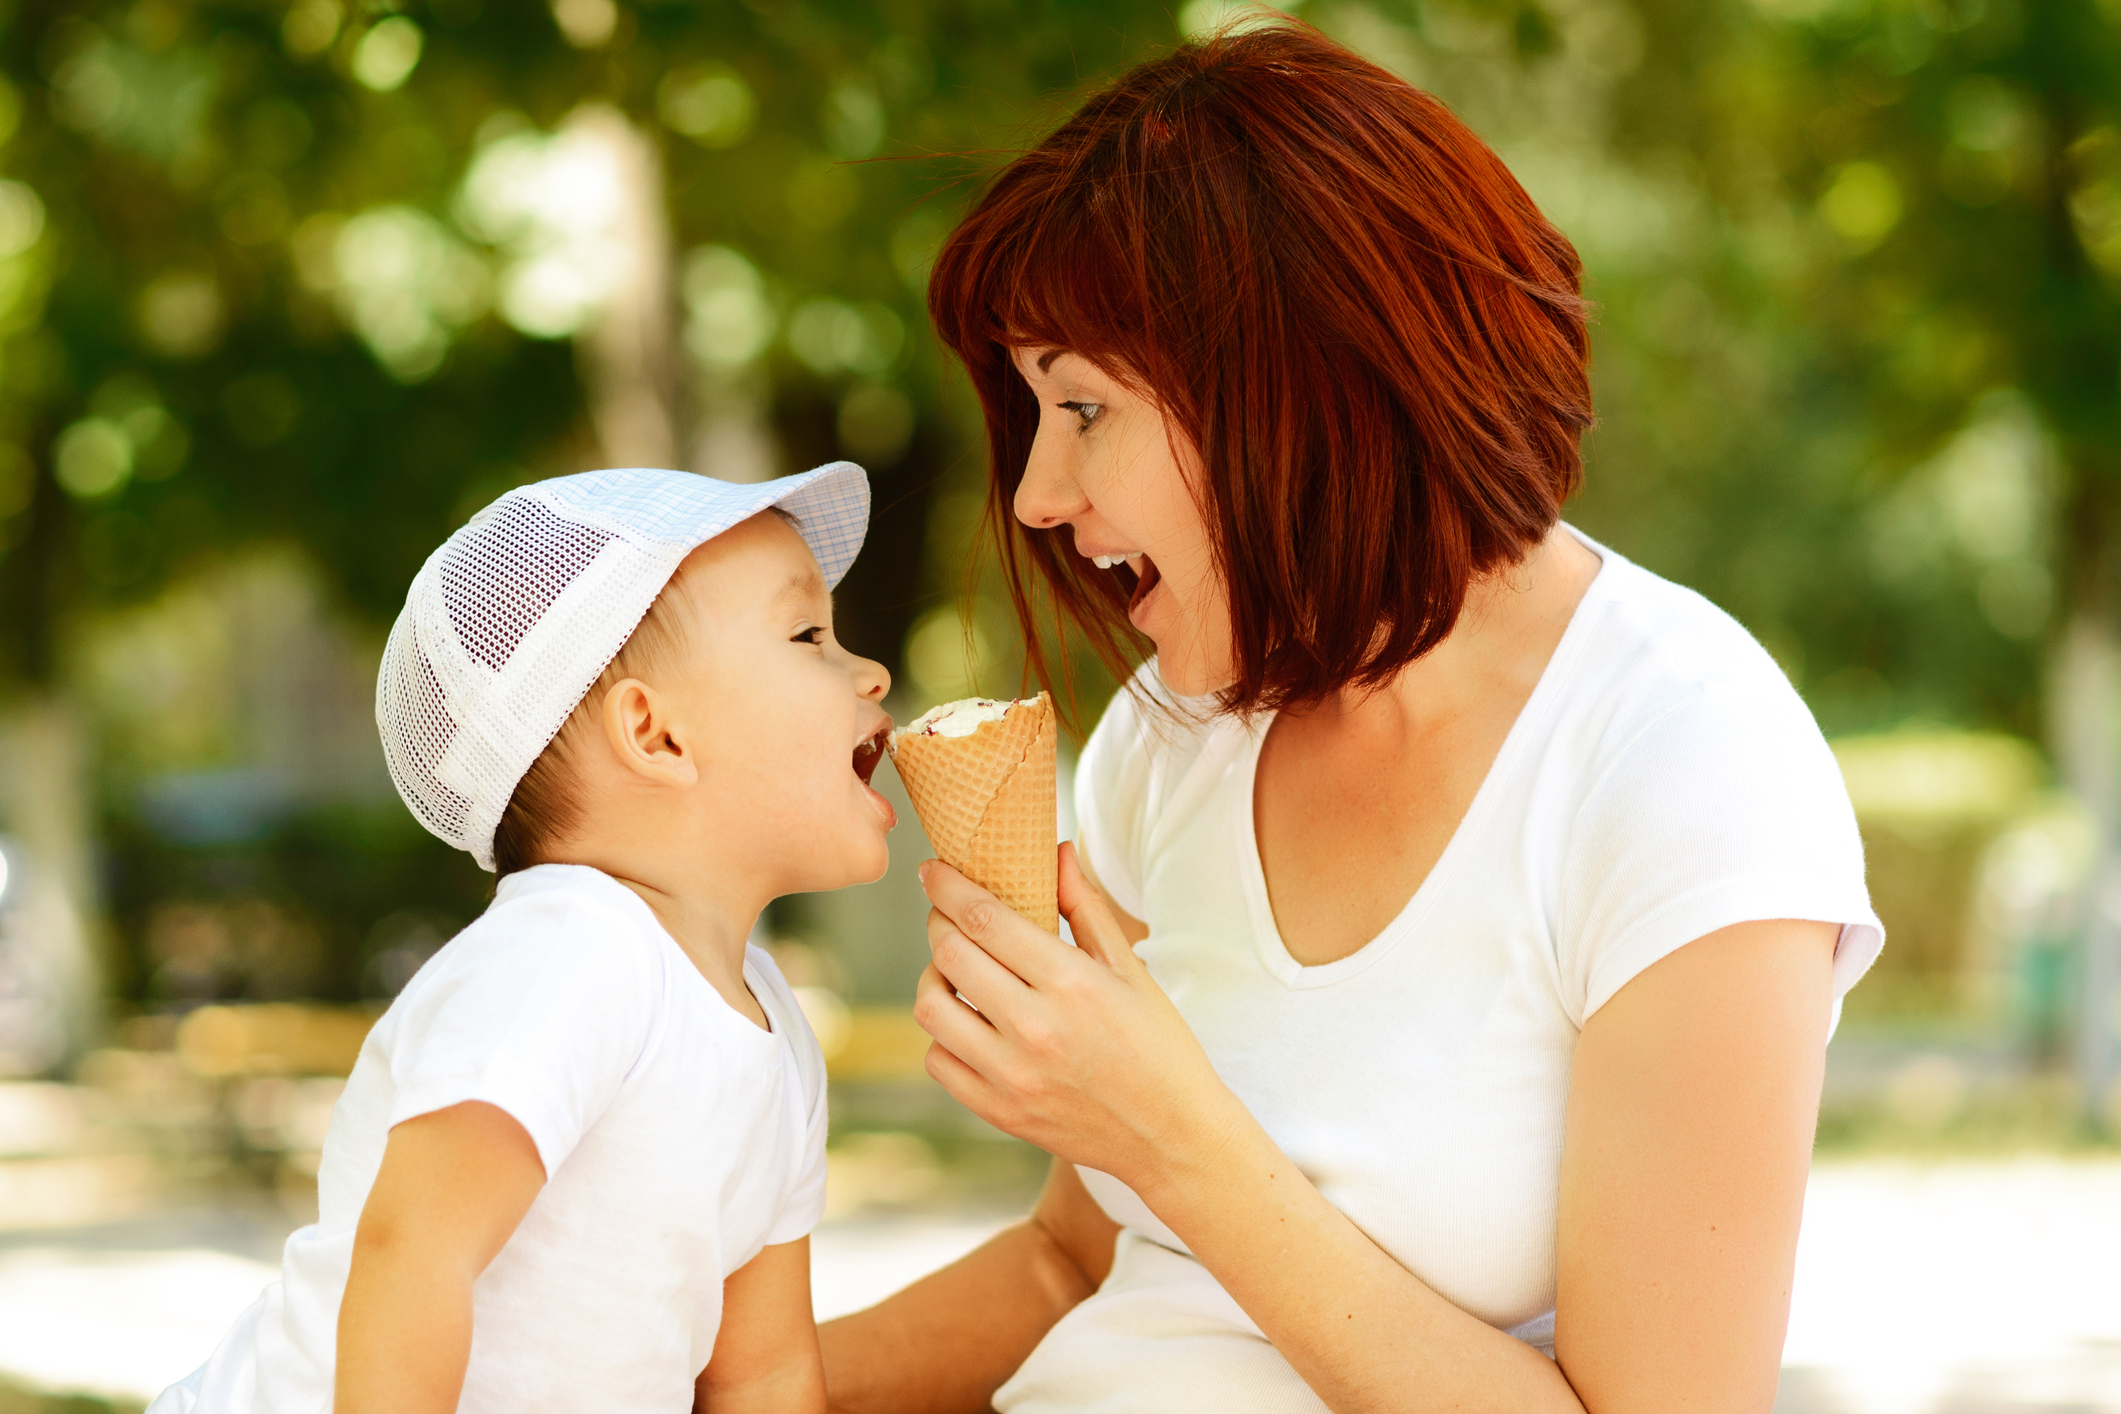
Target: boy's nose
872, 679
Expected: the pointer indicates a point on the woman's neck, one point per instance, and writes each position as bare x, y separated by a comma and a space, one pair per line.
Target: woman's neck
1508, 630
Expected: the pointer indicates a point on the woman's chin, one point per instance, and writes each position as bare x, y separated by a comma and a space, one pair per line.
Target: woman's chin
1187, 666
1184, 678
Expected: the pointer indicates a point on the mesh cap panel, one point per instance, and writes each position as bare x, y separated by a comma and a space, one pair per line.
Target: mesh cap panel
497, 584
514, 618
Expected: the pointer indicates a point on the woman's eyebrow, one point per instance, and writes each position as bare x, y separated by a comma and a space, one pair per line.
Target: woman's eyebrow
1045, 360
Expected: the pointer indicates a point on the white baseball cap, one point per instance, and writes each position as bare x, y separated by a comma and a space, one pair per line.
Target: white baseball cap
510, 623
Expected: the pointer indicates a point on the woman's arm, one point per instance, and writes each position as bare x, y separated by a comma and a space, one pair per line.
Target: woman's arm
1688, 1142
766, 1353
946, 1343
1692, 1106
452, 1188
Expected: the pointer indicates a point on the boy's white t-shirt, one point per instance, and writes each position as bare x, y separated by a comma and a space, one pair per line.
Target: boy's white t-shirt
1663, 781
678, 1139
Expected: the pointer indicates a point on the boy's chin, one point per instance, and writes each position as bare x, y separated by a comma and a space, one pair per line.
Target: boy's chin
855, 865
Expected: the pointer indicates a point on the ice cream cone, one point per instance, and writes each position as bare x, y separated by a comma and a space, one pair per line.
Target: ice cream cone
986, 801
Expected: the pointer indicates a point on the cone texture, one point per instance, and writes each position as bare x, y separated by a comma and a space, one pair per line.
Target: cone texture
986, 801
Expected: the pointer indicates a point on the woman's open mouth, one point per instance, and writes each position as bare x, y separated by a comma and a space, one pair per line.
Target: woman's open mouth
1146, 578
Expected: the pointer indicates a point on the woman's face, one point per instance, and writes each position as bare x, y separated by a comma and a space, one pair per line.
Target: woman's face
1107, 464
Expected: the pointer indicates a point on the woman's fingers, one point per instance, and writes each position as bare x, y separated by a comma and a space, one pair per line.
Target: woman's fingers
1090, 918
964, 1084
957, 1027
968, 967
1016, 943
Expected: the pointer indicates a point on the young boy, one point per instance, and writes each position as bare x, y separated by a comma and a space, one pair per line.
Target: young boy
577, 1162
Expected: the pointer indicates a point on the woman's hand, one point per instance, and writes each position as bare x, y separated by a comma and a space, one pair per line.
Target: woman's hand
1076, 1050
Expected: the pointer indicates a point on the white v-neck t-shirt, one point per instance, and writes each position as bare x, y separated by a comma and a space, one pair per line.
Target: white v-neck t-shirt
678, 1139
1663, 781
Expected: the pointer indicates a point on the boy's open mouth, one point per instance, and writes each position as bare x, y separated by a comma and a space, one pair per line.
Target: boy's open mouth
868, 755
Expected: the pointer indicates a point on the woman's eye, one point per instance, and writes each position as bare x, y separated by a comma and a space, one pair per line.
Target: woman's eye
815, 637
1085, 413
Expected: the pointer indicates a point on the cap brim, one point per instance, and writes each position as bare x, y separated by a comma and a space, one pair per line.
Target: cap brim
830, 506
831, 510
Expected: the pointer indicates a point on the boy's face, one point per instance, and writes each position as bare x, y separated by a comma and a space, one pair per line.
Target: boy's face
786, 722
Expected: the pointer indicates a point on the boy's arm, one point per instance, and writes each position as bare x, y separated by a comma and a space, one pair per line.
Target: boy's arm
452, 1188
765, 1354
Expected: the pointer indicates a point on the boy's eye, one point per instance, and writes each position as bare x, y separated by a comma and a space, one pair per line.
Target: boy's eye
1085, 413
812, 636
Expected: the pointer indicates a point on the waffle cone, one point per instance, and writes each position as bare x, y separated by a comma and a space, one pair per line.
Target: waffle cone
986, 801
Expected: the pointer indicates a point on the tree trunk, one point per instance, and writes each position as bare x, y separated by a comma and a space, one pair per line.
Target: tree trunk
629, 355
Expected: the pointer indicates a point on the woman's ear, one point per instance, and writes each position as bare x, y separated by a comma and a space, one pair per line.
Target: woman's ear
644, 735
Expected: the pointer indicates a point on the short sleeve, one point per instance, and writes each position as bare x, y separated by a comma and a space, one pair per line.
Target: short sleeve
1112, 784
1728, 808
544, 1013
803, 1204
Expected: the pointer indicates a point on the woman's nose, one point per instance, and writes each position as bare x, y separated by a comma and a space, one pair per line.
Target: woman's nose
1049, 493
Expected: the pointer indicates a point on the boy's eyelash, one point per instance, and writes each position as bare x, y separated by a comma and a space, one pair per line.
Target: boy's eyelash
1085, 412
811, 636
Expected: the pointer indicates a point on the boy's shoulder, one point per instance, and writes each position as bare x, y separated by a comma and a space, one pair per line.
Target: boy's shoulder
553, 919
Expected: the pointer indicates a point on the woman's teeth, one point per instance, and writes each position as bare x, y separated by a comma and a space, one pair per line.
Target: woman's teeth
1108, 562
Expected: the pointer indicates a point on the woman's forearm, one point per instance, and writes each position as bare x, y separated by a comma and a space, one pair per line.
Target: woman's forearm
1364, 1332
946, 1343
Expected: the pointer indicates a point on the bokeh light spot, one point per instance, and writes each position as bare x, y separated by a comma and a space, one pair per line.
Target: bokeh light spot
1862, 204
310, 26
92, 459
21, 218
832, 337
586, 24
388, 53
181, 313
729, 320
853, 122
709, 103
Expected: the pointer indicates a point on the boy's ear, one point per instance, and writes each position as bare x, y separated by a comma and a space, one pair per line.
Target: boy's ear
644, 737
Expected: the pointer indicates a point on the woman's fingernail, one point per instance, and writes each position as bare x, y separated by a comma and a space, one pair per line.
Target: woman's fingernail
923, 870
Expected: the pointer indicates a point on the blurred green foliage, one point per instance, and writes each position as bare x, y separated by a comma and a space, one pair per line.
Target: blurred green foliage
269, 274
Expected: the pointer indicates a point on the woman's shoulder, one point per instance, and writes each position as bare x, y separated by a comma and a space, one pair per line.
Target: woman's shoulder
1702, 792
1654, 652
1673, 632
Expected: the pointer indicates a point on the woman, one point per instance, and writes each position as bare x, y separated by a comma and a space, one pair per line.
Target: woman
1462, 908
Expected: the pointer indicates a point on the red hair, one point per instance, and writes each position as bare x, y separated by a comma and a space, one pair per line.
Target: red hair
1343, 299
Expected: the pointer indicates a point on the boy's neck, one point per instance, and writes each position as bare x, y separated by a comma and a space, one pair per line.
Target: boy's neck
712, 931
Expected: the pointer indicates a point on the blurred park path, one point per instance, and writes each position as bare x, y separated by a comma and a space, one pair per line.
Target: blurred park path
1948, 1287
1957, 1287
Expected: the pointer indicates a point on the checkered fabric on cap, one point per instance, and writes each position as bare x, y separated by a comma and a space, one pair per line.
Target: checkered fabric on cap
511, 622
